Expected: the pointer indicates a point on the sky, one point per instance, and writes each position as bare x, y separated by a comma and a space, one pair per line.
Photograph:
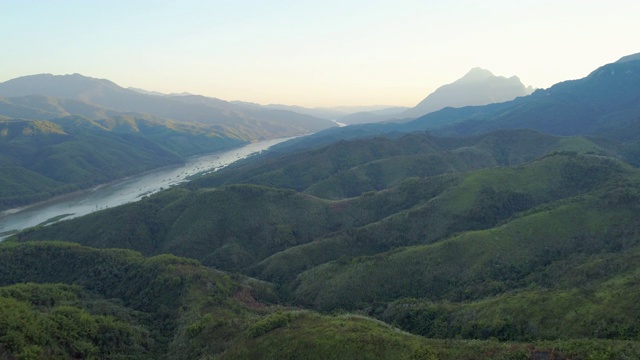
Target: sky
313, 53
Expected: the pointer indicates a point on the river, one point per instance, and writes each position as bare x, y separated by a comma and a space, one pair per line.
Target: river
123, 191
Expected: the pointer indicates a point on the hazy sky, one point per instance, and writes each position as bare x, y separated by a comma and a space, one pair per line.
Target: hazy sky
313, 53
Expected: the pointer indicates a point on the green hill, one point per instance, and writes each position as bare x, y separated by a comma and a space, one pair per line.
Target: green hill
114, 304
541, 252
276, 234
236, 227
40, 159
230, 228
473, 264
350, 168
436, 208
57, 321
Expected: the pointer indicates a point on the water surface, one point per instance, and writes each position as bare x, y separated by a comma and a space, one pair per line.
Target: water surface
123, 191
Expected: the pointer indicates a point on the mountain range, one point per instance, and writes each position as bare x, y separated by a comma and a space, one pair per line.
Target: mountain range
477, 87
499, 231
445, 238
184, 108
604, 102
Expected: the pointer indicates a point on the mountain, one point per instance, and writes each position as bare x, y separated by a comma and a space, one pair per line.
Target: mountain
349, 168
604, 100
315, 195
190, 108
605, 103
477, 87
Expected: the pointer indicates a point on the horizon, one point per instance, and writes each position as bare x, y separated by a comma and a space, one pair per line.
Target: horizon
313, 54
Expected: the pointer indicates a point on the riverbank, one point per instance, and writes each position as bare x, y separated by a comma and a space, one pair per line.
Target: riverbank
122, 191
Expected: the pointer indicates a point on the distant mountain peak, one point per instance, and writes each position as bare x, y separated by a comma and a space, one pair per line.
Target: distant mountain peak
478, 87
476, 74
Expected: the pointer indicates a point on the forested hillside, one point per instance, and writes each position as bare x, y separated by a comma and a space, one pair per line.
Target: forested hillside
431, 249
110, 304
115, 304
249, 223
43, 158
506, 244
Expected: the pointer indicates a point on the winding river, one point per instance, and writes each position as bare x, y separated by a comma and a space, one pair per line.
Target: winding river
123, 191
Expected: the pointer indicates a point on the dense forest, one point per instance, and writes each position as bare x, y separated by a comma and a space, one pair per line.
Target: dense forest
510, 242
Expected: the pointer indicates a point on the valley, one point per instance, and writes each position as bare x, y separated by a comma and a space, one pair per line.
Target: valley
508, 230
123, 191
